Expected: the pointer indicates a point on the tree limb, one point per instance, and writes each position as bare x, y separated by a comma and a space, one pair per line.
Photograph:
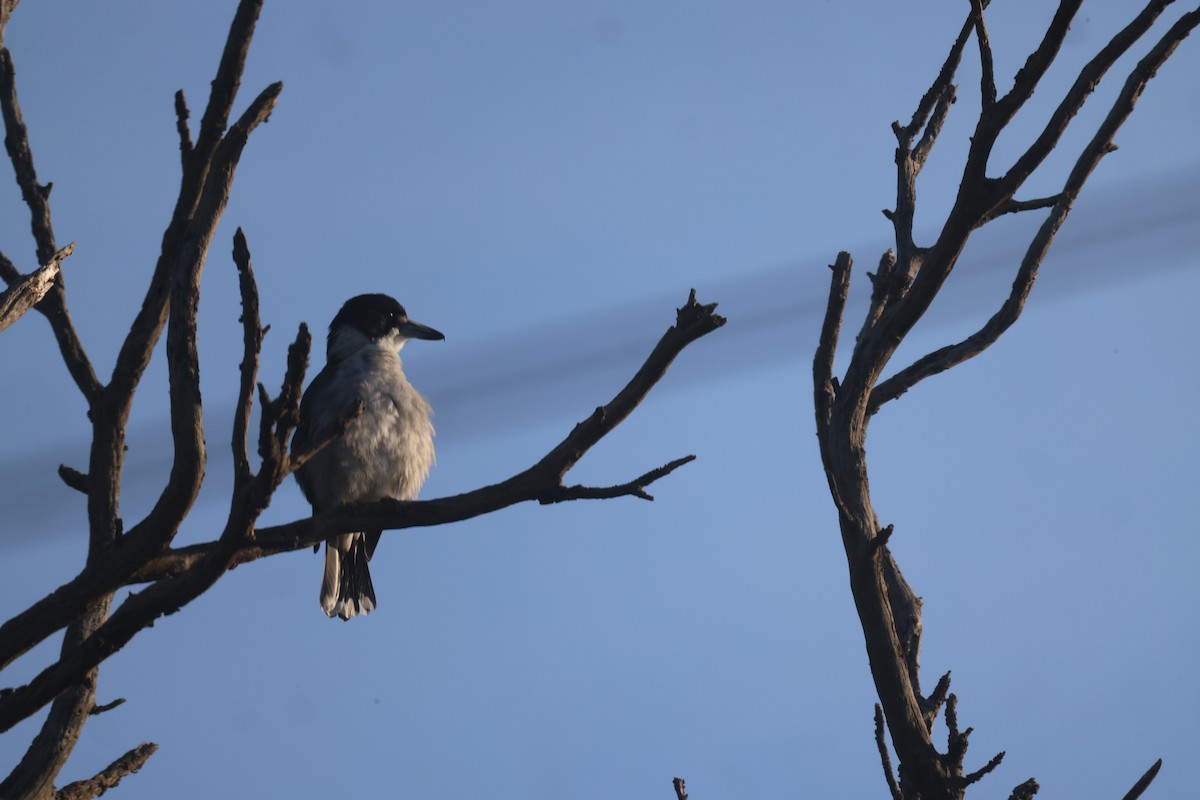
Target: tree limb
903, 290
180, 575
1100, 145
27, 291
36, 196
110, 776
1143, 783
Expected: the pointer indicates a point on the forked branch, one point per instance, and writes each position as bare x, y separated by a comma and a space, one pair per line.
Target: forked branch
903, 288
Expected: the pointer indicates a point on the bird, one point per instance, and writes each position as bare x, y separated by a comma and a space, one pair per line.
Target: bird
386, 452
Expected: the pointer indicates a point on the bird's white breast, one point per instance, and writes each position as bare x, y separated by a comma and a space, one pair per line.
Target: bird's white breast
388, 450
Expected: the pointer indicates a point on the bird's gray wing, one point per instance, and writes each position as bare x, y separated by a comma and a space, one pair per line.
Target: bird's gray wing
312, 423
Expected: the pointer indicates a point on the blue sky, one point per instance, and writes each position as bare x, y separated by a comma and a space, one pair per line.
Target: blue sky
544, 182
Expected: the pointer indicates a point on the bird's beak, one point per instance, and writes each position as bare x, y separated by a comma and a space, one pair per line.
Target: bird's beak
415, 330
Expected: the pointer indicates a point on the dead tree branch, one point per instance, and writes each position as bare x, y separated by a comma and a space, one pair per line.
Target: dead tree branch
903, 288
1143, 783
110, 776
27, 291
180, 575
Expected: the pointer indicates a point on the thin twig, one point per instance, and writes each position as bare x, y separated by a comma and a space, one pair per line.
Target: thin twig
884, 756
987, 80
1017, 206
978, 774
633, 488
100, 709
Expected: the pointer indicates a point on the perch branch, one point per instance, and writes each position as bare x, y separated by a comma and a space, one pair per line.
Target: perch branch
182, 574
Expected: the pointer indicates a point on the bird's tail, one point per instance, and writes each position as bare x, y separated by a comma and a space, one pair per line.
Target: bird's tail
346, 589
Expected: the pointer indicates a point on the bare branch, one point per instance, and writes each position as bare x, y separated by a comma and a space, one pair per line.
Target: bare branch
54, 307
823, 386
1031, 73
1100, 145
98, 710
1017, 206
48, 752
884, 756
110, 776
1084, 85
73, 478
680, 789
1143, 783
181, 126
1025, 791
633, 488
183, 574
225, 85
936, 698
941, 110
943, 82
978, 774
204, 188
987, 81
27, 291
252, 337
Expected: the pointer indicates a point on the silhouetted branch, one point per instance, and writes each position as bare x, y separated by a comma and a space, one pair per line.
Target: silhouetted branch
73, 478
1143, 783
110, 776
902, 291
252, 337
680, 789
987, 80
97, 710
180, 575
633, 488
181, 126
1061, 204
37, 196
884, 756
1025, 791
27, 291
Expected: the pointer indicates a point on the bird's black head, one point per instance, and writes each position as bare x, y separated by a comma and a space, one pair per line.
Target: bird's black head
379, 317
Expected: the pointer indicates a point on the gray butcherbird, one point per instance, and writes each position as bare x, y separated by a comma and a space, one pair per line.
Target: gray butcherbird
386, 452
